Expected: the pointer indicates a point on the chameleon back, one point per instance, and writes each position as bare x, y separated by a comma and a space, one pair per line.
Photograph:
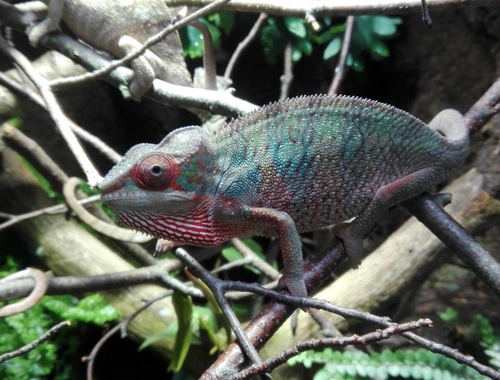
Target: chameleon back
321, 159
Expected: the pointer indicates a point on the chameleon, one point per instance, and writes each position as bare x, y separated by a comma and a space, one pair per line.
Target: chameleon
120, 27
292, 166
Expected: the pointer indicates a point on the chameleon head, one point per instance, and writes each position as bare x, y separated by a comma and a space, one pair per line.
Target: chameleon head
155, 182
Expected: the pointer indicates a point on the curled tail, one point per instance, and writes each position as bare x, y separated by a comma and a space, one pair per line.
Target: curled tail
451, 125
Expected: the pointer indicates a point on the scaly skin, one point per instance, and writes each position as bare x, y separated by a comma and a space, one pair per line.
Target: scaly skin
120, 27
293, 166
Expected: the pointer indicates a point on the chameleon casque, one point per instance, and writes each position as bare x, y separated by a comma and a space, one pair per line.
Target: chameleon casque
293, 166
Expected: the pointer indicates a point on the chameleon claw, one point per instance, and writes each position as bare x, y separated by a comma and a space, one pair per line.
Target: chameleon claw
164, 245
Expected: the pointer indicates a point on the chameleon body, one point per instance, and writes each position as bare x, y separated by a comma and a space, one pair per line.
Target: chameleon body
119, 27
296, 165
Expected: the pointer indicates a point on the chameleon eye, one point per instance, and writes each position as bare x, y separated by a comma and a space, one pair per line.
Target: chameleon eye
154, 171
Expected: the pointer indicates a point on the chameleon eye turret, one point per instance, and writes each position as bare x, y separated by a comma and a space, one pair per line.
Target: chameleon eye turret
154, 172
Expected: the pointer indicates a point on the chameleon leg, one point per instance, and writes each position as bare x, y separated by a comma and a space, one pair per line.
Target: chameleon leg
352, 234
50, 23
144, 74
272, 222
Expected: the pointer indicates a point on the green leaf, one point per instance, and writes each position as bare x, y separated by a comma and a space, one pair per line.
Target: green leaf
296, 26
92, 309
207, 314
449, 315
332, 48
15, 121
231, 254
46, 186
296, 54
304, 46
214, 31
385, 26
184, 311
380, 49
223, 20
168, 334
417, 372
334, 31
356, 64
192, 42
273, 38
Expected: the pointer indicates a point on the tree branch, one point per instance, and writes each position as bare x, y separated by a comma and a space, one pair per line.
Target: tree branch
321, 8
315, 344
219, 102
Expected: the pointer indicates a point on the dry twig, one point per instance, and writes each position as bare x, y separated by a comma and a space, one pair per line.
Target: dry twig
34, 297
23, 350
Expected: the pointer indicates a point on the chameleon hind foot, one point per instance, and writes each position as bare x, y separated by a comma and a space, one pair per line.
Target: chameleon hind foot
353, 245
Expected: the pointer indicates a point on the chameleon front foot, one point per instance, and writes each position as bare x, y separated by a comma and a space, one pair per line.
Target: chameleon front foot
296, 287
37, 32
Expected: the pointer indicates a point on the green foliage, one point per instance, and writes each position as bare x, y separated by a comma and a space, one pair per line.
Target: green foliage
232, 254
50, 357
16, 122
477, 329
419, 364
46, 186
184, 311
21, 329
368, 37
278, 31
449, 315
198, 324
192, 39
490, 340
92, 309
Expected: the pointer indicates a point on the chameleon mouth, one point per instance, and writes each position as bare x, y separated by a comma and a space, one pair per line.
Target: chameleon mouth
157, 201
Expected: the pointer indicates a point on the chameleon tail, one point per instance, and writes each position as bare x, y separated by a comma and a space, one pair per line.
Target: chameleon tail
451, 125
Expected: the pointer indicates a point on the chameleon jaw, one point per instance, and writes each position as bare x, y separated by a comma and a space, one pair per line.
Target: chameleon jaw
134, 200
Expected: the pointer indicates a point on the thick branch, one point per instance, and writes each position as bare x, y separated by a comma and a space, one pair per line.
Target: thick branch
217, 102
321, 8
451, 233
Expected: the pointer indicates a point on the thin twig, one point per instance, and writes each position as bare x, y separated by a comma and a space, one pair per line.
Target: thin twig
35, 296
23, 350
97, 143
175, 25
126, 321
51, 210
233, 264
256, 261
287, 77
91, 358
216, 286
359, 315
341, 67
243, 45
208, 55
29, 148
100, 226
314, 344
484, 109
55, 111
426, 17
